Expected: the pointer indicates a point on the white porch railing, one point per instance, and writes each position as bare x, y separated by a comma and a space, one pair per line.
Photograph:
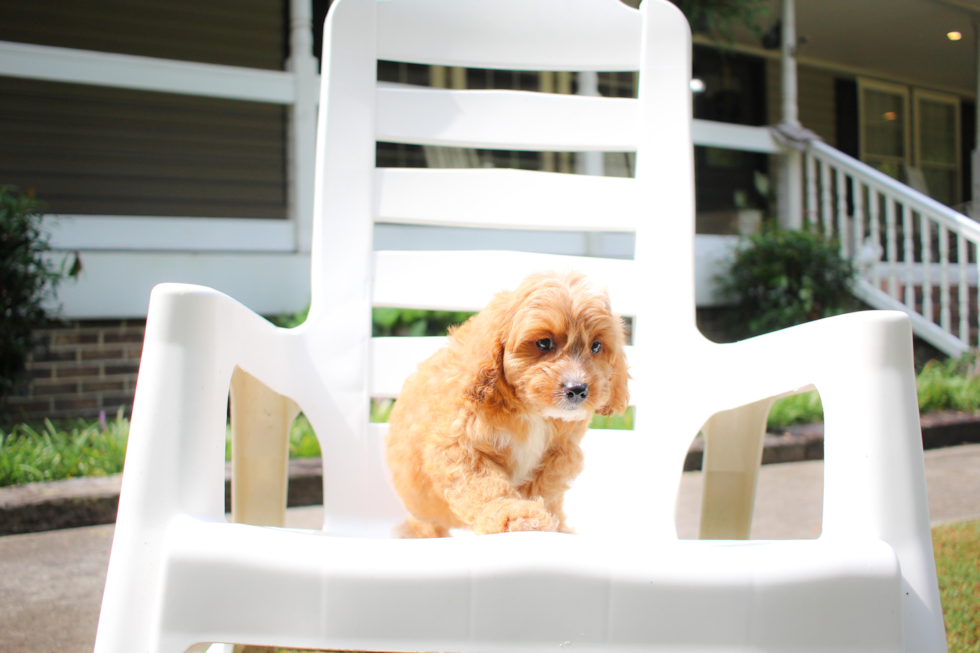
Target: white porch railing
912, 253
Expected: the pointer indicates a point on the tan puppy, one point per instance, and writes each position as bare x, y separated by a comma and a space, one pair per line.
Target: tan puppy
486, 434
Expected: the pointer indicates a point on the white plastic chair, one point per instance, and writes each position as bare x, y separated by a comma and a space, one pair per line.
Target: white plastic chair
180, 576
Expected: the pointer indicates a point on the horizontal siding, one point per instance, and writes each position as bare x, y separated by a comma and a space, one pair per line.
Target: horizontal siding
92, 150
815, 98
249, 33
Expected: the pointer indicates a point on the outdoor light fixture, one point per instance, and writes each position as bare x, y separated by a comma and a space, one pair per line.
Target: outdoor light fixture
954, 36
890, 115
697, 86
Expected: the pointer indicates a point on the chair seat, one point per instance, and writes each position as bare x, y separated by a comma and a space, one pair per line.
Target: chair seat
528, 591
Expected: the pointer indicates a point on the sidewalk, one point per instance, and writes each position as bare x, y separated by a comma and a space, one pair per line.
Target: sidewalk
51, 583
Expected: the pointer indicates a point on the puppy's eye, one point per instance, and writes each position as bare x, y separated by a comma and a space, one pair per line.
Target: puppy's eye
596, 346
545, 344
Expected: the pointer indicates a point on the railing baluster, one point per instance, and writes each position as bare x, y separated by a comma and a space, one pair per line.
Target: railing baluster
925, 226
842, 235
865, 208
810, 215
826, 204
964, 304
874, 202
909, 257
976, 254
944, 317
892, 246
858, 216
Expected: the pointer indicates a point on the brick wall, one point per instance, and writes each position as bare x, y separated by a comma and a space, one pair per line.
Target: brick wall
80, 369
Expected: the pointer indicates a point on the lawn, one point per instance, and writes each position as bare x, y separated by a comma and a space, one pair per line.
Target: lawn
957, 548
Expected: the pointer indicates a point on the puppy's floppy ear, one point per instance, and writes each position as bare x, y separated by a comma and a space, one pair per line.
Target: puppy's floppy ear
488, 370
481, 349
619, 394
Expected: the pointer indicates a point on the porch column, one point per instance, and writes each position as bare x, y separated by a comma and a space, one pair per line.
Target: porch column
301, 138
589, 163
790, 189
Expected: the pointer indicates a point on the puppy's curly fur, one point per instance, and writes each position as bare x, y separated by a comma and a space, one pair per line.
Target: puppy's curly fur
486, 434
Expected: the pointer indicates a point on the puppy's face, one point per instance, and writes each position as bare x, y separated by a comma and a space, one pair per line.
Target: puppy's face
563, 354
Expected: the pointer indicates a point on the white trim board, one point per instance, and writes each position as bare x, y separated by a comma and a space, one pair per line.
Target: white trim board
710, 133
145, 73
145, 233
114, 285
76, 66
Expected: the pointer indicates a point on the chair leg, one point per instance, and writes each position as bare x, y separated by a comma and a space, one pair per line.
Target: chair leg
260, 422
733, 442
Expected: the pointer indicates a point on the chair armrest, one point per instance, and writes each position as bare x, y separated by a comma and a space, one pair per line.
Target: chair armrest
874, 470
195, 337
862, 366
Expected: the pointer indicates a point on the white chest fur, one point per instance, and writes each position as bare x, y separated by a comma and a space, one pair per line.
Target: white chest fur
526, 456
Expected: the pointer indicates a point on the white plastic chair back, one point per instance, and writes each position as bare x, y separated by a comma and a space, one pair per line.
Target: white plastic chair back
581, 35
179, 575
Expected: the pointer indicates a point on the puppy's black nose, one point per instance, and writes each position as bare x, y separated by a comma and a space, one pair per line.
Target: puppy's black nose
576, 392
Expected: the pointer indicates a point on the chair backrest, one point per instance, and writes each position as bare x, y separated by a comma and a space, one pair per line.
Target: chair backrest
656, 288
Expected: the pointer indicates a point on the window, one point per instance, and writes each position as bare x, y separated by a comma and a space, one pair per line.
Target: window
884, 118
937, 144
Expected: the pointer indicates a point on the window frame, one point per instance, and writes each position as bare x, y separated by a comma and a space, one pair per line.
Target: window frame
865, 84
957, 167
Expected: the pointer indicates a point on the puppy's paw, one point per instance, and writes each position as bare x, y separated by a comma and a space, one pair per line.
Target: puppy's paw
516, 516
414, 528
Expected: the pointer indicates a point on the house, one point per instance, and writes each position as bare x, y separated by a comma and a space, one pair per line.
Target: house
174, 142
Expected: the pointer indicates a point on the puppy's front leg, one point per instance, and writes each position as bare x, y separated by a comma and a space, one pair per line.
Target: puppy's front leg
481, 495
559, 467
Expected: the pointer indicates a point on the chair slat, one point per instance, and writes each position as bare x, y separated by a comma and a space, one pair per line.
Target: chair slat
511, 34
466, 281
507, 120
505, 199
394, 359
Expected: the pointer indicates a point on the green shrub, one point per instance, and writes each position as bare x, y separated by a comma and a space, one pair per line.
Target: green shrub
781, 278
718, 18
393, 321
26, 281
803, 408
409, 322
952, 384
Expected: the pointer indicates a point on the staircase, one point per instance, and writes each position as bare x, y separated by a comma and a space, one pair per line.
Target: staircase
912, 253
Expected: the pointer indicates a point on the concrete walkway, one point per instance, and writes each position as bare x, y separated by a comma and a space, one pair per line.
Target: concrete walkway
51, 583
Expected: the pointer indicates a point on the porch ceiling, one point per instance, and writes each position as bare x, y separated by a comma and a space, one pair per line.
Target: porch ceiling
901, 39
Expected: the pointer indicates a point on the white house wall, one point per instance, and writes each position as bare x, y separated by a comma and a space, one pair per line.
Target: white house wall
117, 284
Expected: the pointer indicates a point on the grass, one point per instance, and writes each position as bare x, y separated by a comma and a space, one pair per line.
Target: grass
957, 548
68, 449
49, 452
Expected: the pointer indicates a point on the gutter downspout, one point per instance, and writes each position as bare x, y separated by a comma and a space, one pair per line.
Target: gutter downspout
590, 163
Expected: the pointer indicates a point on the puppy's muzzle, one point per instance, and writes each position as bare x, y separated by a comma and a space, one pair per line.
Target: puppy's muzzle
575, 393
